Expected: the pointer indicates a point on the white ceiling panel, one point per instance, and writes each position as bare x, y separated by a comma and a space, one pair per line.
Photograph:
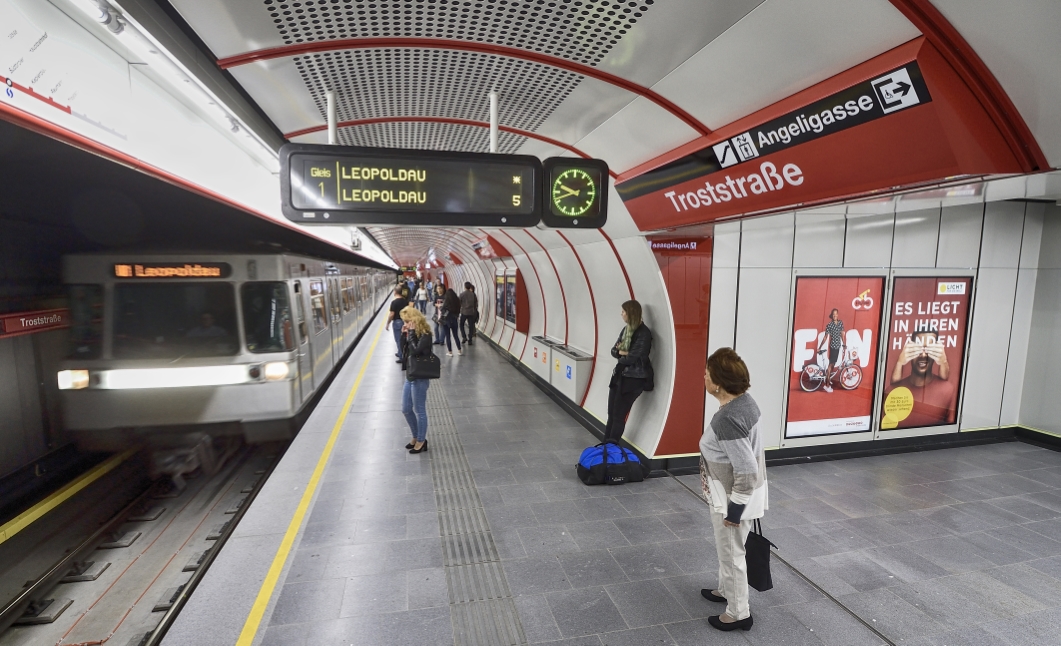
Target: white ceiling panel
278, 89
1020, 44
669, 34
639, 132
780, 48
540, 149
230, 27
585, 108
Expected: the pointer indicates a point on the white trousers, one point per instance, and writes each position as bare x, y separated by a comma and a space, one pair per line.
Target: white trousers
732, 567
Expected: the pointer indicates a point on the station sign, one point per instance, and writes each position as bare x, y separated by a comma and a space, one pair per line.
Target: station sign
164, 270
30, 322
356, 185
903, 119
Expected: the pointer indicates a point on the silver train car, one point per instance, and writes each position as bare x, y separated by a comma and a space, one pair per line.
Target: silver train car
217, 343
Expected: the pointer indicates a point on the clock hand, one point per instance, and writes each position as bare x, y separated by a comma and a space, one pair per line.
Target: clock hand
569, 191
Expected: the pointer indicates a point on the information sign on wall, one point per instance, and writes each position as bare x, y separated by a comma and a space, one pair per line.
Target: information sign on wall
926, 351
499, 296
30, 322
510, 299
835, 335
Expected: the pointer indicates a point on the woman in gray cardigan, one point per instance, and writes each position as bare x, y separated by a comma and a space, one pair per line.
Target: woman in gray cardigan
733, 476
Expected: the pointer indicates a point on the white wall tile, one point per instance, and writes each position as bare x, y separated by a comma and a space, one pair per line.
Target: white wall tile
916, 234
869, 240
1003, 230
819, 239
959, 236
767, 241
988, 348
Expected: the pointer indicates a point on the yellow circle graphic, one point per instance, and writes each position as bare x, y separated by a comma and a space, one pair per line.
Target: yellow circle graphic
897, 406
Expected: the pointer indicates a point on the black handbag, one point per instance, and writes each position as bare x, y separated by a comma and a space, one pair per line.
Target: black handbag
757, 557
425, 366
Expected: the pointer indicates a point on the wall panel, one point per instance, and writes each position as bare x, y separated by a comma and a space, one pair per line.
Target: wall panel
959, 236
819, 239
869, 240
915, 239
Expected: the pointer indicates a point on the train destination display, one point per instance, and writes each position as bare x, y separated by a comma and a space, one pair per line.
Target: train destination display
353, 185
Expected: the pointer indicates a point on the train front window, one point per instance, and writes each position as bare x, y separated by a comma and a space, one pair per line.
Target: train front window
86, 321
174, 321
267, 317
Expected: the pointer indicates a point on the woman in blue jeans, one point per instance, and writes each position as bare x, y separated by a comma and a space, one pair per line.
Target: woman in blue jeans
414, 392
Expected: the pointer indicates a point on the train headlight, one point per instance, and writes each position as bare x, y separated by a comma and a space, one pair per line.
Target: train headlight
73, 379
276, 370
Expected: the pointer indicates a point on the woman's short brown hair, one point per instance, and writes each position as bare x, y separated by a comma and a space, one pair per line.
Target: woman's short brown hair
729, 371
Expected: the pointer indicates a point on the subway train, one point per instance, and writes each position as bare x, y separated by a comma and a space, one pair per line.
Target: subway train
224, 344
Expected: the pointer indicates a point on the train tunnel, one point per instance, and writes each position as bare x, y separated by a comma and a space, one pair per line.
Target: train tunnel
854, 202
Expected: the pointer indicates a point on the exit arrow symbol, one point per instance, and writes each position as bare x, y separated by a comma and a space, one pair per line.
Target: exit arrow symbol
902, 88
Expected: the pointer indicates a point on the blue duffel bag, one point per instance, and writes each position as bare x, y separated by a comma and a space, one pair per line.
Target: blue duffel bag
609, 463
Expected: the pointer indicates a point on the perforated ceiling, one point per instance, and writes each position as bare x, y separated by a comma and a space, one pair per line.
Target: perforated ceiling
428, 136
413, 82
408, 245
579, 30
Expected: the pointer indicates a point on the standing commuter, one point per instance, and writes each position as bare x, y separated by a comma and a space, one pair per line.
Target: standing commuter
421, 299
469, 311
393, 316
414, 391
451, 307
440, 299
733, 478
633, 371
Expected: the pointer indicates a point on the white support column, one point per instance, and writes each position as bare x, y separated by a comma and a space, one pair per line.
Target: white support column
493, 122
333, 128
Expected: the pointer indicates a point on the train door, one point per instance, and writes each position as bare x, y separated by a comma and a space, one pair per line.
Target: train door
305, 363
337, 320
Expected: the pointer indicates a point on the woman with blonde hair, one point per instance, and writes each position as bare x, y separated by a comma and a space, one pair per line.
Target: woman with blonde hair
733, 477
414, 392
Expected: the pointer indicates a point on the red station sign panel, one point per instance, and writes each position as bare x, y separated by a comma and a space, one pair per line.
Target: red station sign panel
901, 119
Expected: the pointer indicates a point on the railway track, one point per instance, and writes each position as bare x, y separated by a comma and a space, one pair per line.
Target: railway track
114, 564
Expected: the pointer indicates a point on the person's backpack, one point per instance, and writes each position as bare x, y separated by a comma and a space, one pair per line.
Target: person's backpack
609, 463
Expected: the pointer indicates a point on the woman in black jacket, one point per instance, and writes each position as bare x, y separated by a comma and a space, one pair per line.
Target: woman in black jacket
632, 373
417, 333
451, 308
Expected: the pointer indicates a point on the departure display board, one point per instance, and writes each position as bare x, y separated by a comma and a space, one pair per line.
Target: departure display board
355, 185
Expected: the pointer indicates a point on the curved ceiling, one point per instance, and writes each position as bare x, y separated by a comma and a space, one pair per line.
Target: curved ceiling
622, 80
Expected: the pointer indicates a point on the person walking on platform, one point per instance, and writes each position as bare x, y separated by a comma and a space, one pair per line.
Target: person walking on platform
414, 391
393, 316
440, 299
421, 299
451, 307
469, 312
733, 479
632, 374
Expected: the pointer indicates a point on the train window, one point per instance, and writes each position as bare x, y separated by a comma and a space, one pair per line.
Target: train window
303, 334
318, 306
86, 320
267, 322
174, 320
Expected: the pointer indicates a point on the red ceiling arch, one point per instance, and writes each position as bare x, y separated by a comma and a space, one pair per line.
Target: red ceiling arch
301, 49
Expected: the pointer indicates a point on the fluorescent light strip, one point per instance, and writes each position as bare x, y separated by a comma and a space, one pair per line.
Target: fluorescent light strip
136, 378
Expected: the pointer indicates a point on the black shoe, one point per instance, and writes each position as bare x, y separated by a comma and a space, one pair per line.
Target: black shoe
743, 624
707, 594
419, 450
411, 445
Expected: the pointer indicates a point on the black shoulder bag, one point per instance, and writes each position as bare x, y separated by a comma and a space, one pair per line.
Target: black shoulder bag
422, 366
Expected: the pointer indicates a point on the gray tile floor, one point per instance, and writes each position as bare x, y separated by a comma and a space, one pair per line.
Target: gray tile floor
946, 547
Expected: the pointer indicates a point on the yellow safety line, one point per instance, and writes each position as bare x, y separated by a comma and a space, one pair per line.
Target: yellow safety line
34, 513
254, 619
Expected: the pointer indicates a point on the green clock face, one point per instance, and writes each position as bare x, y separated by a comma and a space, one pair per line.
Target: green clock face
574, 192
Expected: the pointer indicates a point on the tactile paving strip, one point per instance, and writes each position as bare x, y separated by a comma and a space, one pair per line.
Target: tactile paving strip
481, 606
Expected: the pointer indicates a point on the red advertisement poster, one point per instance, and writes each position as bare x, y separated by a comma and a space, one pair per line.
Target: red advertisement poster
926, 348
835, 336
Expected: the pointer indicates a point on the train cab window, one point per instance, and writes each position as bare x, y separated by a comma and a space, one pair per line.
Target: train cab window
267, 323
86, 321
318, 305
174, 321
303, 334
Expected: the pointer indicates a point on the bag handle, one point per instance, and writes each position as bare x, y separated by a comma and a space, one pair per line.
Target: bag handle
758, 529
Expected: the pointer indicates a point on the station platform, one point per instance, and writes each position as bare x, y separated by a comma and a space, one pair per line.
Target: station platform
489, 538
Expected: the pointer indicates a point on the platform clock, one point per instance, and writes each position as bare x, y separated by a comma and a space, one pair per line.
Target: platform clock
576, 192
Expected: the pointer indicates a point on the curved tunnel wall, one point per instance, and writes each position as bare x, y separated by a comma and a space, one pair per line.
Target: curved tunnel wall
576, 282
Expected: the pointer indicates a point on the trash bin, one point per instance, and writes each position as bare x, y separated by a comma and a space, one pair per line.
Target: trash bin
539, 356
570, 373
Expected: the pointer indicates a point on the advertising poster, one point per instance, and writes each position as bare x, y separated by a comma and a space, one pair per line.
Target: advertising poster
499, 296
926, 351
835, 335
510, 299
